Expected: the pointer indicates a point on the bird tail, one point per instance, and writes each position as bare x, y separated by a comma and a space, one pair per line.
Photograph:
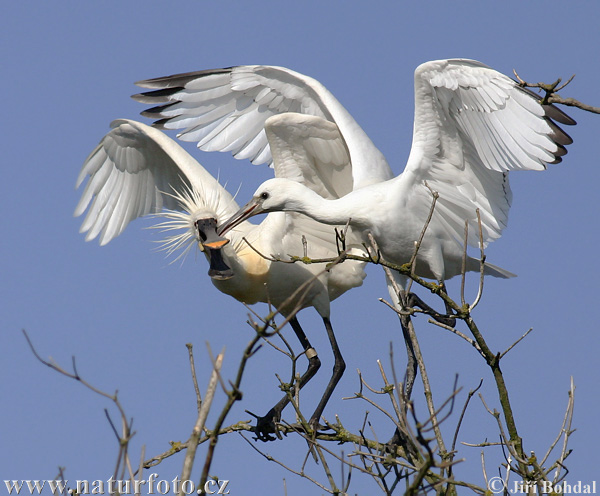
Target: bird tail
494, 270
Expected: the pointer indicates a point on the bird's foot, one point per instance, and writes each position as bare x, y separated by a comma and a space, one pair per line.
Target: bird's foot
399, 443
447, 319
266, 427
391, 447
314, 427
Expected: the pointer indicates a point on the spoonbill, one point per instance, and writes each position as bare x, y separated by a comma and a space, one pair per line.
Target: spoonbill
472, 126
136, 170
248, 110
227, 110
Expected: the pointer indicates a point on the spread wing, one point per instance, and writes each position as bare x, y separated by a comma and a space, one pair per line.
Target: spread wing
136, 170
226, 110
311, 151
473, 125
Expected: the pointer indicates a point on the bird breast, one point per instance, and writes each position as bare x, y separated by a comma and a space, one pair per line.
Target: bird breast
250, 274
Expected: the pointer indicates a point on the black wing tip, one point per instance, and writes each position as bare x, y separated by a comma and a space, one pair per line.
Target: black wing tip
160, 123
560, 139
156, 96
554, 115
156, 111
559, 136
550, 110
181, 79
165, 87
561, 151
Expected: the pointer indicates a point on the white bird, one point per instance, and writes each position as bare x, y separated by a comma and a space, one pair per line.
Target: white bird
248, 110
137, 170
472, 126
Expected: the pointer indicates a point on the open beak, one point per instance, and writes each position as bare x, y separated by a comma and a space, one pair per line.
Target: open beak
212, 244
218, 269
207, 229
250, 209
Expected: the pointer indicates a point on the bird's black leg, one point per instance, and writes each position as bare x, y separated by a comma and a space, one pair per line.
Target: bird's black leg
448, 319
266, 426
399, 439
412, 300
338, 370
411, 364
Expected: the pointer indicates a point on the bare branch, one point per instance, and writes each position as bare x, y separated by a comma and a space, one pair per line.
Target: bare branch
481, 264
463, 271
435, 195
565, 432
515, 343
289, 469
126, 434
551, 94
190, 346
201, 420
460, 420
453, 330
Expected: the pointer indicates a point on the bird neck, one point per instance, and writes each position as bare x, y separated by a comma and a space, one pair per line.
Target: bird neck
332, 212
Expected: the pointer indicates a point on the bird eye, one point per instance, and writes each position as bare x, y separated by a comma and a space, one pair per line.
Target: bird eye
264, 195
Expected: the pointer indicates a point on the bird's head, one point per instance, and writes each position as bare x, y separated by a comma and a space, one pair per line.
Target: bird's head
206, 231
211, 243
274, 195
195, 223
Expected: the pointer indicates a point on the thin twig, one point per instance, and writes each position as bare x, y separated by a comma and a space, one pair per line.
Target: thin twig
515, 343
140, 469
233, 395
201, 420
293, 258
435, 195
551, 94
126, 434
289, 469
460, 420
462, 413
453, 330
565, 430
189, 347
481, 263
463, 271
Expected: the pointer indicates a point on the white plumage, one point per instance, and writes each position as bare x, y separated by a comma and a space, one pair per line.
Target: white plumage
137, 170
472, 126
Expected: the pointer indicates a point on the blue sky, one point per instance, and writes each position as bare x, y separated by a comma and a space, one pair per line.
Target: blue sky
125, 313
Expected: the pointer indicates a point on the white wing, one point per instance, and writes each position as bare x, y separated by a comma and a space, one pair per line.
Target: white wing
311, 151
473, 125
136, 170
226, 110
